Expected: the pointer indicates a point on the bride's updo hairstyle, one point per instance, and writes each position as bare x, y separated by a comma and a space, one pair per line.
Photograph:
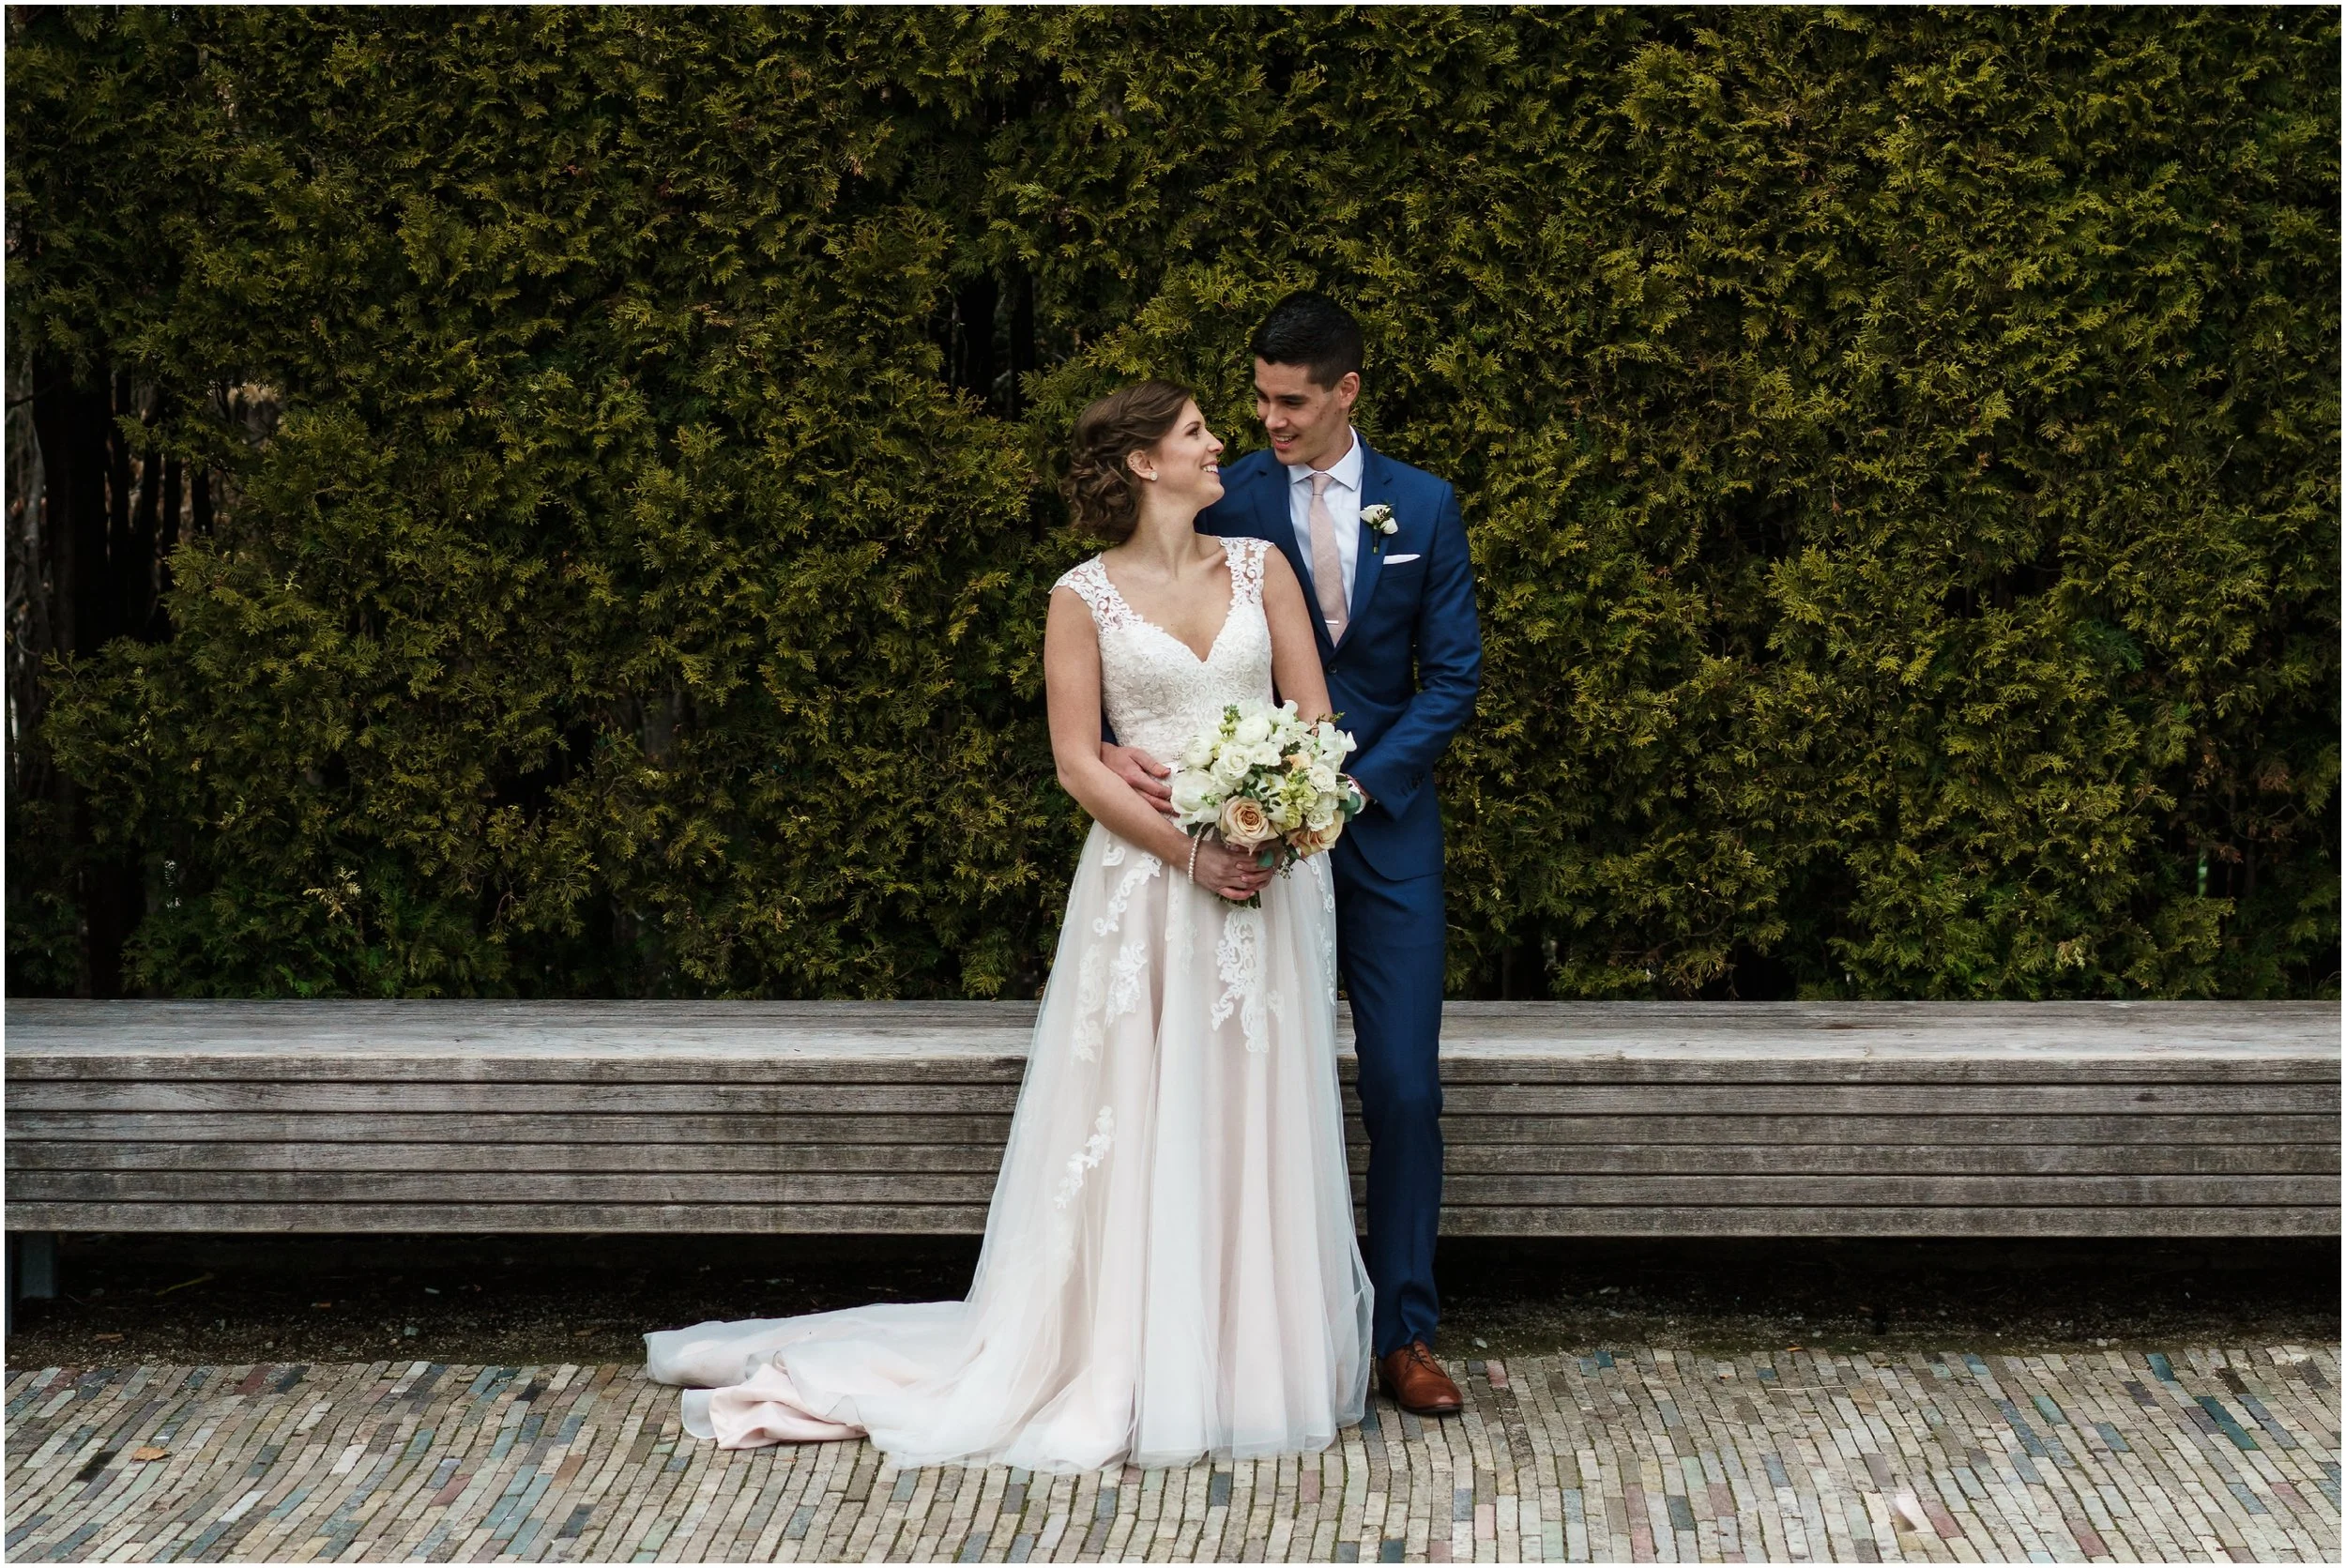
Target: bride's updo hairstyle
1101, 490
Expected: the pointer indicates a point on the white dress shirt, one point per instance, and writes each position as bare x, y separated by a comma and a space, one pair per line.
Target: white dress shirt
1344, 505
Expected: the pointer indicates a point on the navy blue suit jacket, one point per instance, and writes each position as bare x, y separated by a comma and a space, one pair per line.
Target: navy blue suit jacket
1406, 675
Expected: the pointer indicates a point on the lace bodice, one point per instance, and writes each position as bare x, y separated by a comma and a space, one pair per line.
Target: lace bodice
1158, 692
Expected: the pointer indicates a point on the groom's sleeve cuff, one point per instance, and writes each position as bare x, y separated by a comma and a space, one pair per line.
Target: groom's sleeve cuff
1392, 794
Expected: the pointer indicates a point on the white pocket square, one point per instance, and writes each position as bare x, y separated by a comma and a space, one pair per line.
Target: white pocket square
1396, 560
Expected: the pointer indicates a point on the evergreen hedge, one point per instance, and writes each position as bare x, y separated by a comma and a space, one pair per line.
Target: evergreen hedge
1900, 449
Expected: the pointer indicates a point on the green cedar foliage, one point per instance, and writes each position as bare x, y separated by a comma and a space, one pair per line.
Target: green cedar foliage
1900, 449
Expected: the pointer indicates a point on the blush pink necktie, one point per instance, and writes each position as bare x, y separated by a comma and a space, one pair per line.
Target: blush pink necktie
1327, 565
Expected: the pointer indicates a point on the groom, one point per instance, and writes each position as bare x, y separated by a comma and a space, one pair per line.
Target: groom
1392, 594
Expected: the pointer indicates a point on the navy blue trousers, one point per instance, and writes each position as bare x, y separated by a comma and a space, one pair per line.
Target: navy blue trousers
1388, 950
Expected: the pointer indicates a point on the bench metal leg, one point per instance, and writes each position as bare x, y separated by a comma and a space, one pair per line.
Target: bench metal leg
32, 1266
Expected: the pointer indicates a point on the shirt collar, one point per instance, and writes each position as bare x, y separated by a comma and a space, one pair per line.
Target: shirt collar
1346, 471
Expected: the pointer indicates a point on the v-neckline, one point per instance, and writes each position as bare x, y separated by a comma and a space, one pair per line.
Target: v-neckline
1230, 612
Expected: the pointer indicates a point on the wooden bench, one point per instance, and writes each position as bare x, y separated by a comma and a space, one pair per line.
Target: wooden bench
1562, 1119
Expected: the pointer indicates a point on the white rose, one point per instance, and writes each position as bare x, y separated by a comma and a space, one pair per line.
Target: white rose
1230, 767
1195, 793
1322, 777
1265, 756
1197, 753
1253, 730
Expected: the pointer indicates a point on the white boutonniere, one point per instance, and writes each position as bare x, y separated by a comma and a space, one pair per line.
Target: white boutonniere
1379, 519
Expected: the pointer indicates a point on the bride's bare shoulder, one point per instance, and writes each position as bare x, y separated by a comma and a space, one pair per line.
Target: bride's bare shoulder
1277, 576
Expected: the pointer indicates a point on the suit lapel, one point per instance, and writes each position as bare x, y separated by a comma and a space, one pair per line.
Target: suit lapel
1369, 560
1278, 525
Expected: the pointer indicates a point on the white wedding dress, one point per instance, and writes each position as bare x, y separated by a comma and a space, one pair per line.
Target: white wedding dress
1169, 1268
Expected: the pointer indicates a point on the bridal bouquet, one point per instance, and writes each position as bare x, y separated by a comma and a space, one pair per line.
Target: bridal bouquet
1267, 782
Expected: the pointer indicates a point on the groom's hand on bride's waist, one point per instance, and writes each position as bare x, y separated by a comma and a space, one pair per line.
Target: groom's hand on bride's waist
1145, 773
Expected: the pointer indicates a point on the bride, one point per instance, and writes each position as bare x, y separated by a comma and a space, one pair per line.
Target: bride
1169, 1268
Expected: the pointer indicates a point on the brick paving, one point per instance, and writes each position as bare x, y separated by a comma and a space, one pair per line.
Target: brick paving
1628, 1454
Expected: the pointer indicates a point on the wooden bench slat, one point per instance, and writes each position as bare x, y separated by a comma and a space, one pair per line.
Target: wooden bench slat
599, 1029
1457, 1127
426, 1188
1710, 1220
454, 1158
2138, 1158
788, 1187
498, 1127
1943, 1159
1722, 1221
1461, 1066
907, 1099
424, 1219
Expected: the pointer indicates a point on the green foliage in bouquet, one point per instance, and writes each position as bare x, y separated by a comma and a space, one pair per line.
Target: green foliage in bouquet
1900, 451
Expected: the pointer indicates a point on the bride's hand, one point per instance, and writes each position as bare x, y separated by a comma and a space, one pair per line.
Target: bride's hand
1231, 872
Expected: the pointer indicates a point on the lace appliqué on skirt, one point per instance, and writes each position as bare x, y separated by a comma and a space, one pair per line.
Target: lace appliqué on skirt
1237, 957
1096, 1005
1071, 1183
1095, 1149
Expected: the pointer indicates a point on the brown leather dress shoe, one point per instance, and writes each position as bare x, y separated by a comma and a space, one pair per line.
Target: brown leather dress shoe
1418, 1384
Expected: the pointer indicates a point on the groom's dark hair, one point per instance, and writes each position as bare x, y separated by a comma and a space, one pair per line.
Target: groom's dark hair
1310, 330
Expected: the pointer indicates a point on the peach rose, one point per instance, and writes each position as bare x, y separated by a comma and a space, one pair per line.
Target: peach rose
1244, 823
1308, 842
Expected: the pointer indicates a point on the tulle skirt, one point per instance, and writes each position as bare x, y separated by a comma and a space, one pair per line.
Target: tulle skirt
1169, 1268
